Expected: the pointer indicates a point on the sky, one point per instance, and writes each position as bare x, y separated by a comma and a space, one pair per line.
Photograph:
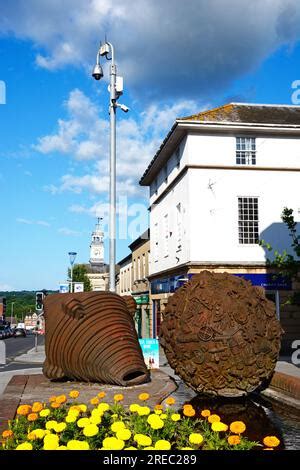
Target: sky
177, 58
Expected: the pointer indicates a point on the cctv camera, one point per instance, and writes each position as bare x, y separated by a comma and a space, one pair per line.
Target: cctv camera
123, 107
97, 72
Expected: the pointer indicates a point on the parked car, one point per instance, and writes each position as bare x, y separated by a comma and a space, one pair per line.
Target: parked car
19, 332
5, 331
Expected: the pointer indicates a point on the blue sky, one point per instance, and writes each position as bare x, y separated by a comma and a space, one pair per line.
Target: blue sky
55, 125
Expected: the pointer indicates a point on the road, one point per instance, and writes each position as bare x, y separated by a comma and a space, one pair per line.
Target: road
17, 346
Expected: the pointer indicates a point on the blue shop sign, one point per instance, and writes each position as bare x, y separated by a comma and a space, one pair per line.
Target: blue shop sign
268, 281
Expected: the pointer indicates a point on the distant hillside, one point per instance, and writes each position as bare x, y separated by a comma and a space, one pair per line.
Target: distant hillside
23, 302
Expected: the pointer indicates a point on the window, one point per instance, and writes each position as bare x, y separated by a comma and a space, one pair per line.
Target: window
144, 266
179, 225
155, 242
134, 270
166, 235
177, 156
139, 268
248, 220
245, 151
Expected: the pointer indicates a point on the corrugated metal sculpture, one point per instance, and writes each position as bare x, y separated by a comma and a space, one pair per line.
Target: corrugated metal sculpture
220, 334
90, 336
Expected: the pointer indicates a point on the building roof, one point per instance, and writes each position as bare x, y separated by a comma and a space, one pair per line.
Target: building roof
140, 240
234, 114
125, 260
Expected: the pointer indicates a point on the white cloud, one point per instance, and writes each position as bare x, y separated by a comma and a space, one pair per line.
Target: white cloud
84, 135
5, 287
176, 48
21, 220
68, 232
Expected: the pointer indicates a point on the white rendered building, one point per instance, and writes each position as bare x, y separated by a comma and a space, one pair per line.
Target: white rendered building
218, 185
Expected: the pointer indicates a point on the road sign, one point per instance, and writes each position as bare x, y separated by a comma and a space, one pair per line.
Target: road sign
64, 288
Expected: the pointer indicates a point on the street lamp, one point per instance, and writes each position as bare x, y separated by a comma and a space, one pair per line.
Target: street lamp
116, 90
72, 255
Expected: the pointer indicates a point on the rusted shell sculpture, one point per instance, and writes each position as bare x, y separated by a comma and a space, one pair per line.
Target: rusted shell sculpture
220, 335
90, 336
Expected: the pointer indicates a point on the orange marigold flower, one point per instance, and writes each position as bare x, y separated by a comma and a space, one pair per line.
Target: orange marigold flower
32, 416
37, 407
61, 399
144, 396
237, 427
118, 397
54, 404
94, 401
74, 394
101, 395
158, 407
205, 413
189, 412
234, 440
170, 401
7, 434
271, 441
214, 419
23, 410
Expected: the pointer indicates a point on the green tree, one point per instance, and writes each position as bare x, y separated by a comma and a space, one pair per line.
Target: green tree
287, 264
80, 275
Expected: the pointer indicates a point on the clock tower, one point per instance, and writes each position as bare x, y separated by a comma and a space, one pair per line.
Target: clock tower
97, 245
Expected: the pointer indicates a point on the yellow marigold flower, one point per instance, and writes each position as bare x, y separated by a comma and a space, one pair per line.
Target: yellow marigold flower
189, 412
158, 407
237, 427
170, 401
44, 413
90, 430
74, 394
54, 404
94, 401
134, 407
7, 434
186, 448
157, 424
123, 434
62, 448
31, 436
38, 433
74, 444
24, 446
143, 411
214, 419
60, 427
83, 422
70, 418
205, 413
196, 438
158, 412
101, 394
217, 426
118, 397
53, 398
37, 406
96, 419
144, 396
23, 410
51, 424
112, 443
75, 409
163, 416
142, 440
83, 407
175, 417
61, 399
32, 416
162, 444
271, 441
117, 426
50, 442
149, 448
130, 448
234, 440
103, 407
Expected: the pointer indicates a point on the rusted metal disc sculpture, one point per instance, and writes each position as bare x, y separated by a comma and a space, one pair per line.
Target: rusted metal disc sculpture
90, 336
220, 335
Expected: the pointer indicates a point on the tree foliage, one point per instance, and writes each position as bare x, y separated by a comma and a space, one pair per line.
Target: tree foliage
80, 275
287, 264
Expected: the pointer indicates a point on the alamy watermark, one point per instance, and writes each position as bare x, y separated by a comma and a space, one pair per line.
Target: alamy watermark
296, 94
296, 354
2, 92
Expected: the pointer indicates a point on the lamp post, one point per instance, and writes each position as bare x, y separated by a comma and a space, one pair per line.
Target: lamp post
72, 255
11, 311
116, 90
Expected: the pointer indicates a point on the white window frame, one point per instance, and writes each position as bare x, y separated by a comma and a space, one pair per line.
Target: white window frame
245, 150
248, 217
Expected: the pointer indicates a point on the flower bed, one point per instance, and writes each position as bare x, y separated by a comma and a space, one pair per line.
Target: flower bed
63, 425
